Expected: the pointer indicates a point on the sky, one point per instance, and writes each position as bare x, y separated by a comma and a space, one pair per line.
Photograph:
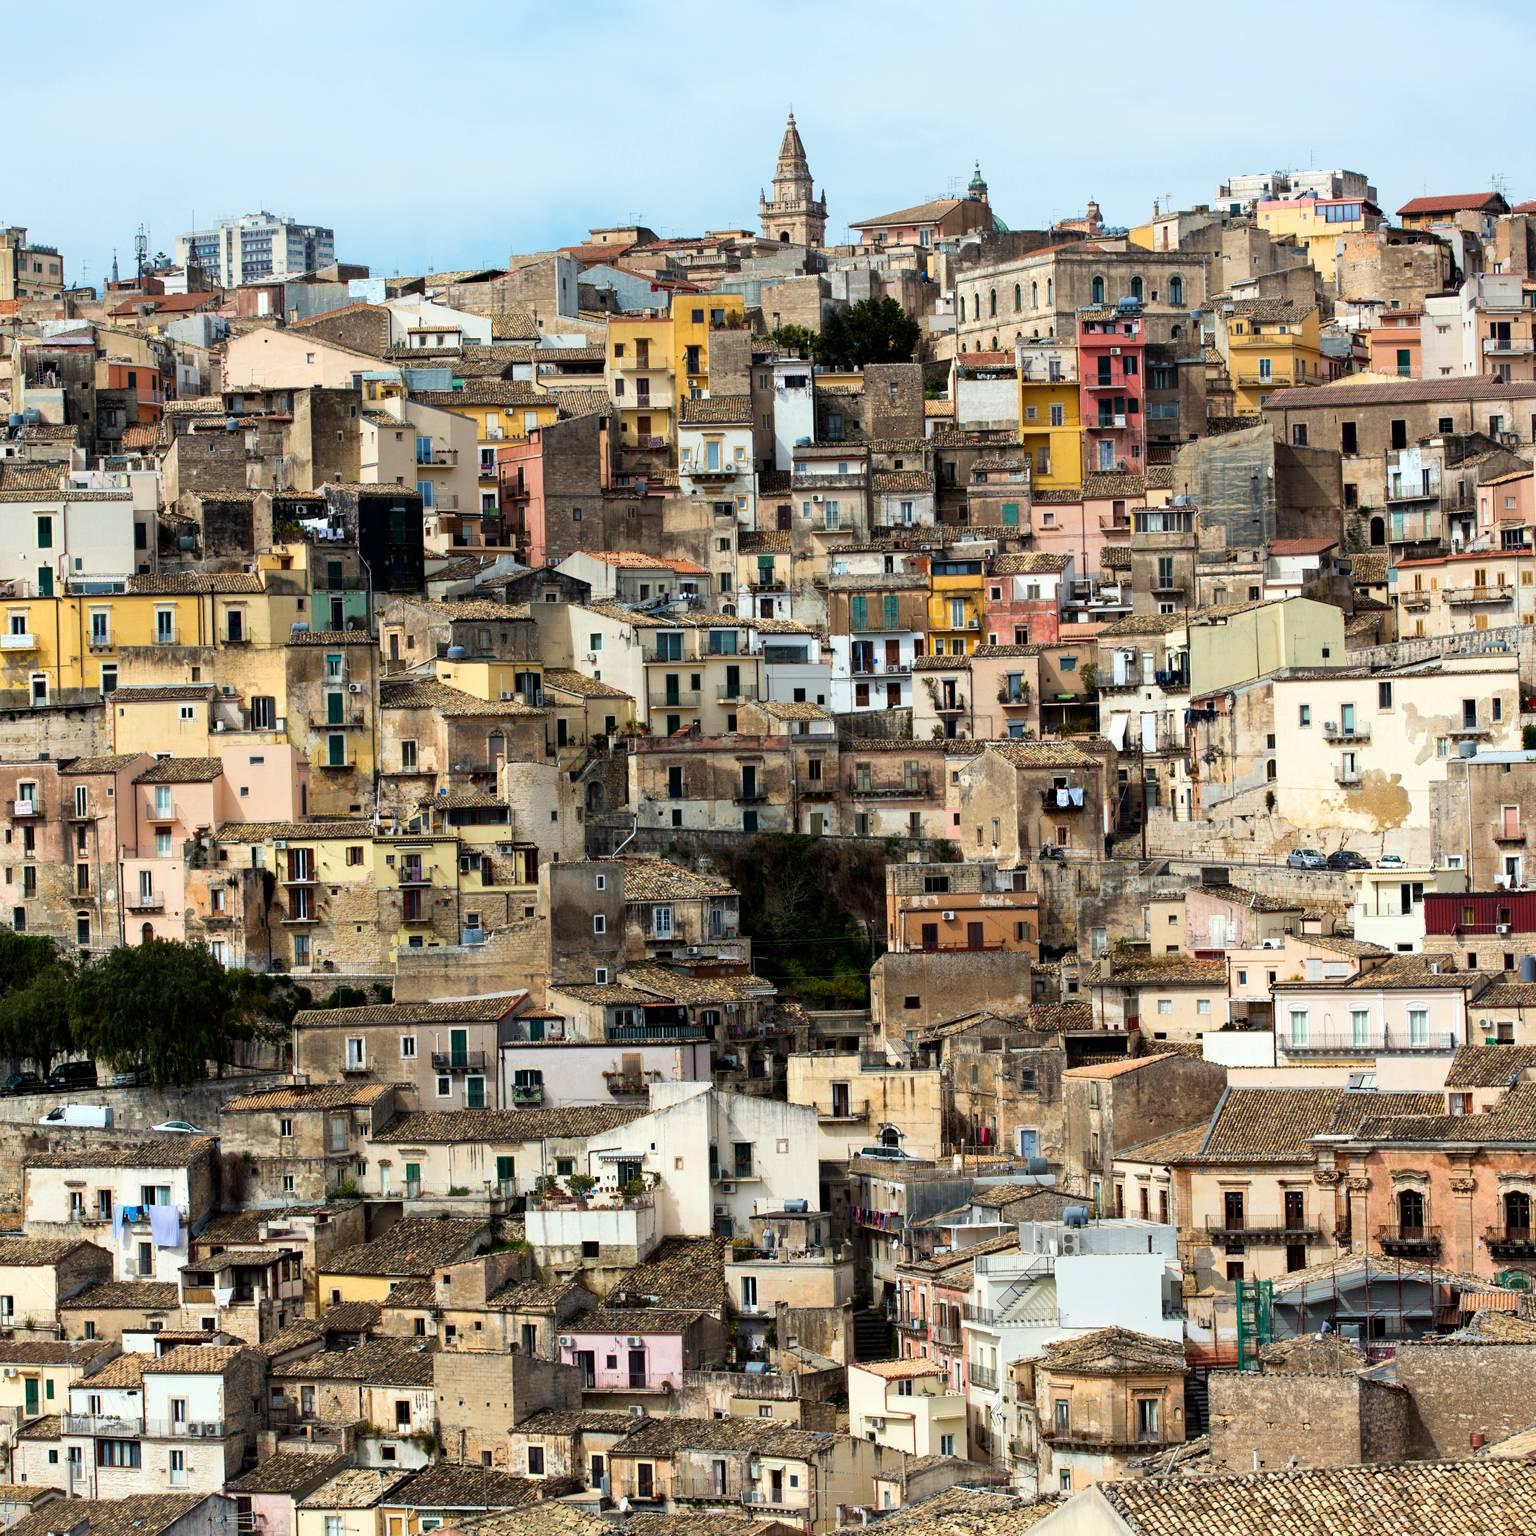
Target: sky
438, 137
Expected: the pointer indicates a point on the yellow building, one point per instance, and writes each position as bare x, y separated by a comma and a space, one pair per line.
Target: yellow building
1051, 430
1270, 344
640, 378
955, 604
695, 318
1318, 223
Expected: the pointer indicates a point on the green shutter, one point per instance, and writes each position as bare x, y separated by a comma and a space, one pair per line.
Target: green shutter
861, 613
1010, 514
892, 611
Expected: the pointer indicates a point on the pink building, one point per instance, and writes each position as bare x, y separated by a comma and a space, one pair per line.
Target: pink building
632, 1350
1023, 597
1397, 344
1506, 509
1112, 383
178, 800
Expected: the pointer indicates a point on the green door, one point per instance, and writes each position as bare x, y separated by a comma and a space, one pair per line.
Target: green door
458, 1046
335, 708
413, 1179
32, 1403
505, 1173
474, 1093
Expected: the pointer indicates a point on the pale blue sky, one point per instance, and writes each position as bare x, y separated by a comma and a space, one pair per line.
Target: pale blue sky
449, 135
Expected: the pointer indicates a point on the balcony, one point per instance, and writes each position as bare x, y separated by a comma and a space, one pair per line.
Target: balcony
630, 1085
458, 1061
1400, 490
526, 1095
881, 669
1067, 1437
1409, 1242
438, 458
1507, 346
639, 363
1220, 1230
655, 1034
146, 901
161, 811
842, 1114
1470, 597
26, 810
742, 693
22, 641
713, 471
1333, 731
918, 787
745, 796
1510, 1242
1415, 601
982, 1376
97, 1424
413, 875
1050, 802
1013, 700
1346, 776
1512, 836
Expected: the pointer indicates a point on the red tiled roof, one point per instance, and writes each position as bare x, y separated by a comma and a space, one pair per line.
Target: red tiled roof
1453, 202
1301, 546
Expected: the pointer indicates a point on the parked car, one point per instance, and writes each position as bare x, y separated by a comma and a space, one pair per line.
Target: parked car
1390, 861
887, 1155
1305, 858
73, 1074
134, 1077
19, 1082
181, 1127
1347, 858
97, 1116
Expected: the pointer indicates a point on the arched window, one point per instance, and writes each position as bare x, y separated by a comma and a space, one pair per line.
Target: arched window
1018, 297
1410, 1213
1378, 531
991, 302
1135, 287
1517, 1213
1098, 290
1050, 290
994, 342
784, 237
1174, 331
1175, 289
1269, 770
1034, 295
890, 1137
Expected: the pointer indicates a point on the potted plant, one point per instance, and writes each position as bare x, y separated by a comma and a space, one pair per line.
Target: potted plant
581, 1185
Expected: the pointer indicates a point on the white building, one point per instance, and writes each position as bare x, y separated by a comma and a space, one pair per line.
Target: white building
422, 325
794, 409
256, 246
78, 534
714, 456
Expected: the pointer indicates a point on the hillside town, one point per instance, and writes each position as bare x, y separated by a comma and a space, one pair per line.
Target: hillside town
907, 830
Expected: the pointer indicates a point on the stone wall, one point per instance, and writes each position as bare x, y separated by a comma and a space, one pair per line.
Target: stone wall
1461, 1390
1267, 1422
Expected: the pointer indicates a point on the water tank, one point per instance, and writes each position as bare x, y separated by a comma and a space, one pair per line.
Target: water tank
187, 541
1467, 749
1528, 967
1038, 1165
457, 653
15, 418
231, 423
1075, 1216
32, 416
796, 1207
300, 628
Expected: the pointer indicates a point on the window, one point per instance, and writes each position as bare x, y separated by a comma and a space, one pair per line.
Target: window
1418, 1026
1304, 715
599, 923
356, 1053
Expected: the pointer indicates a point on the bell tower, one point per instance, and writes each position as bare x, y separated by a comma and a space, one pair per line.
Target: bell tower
793, 215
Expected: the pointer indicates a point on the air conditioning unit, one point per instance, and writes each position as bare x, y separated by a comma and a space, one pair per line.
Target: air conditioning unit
729, 1189
634, 1343
10, 1373
1114, 351
948, 917
1502, 928
506, 697
566, 1341
279, 846
354, 687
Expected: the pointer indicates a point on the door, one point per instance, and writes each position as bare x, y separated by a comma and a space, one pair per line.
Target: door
841, 1101
637, 1368
586, 1363
458, 1047
412, 1180
1232, 1209
31, 1397
1295, 1217
974, 936
474, 1093
776, 1486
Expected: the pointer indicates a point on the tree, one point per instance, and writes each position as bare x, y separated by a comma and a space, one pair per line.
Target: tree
798, 339
34, 999
872, 331
166, 1005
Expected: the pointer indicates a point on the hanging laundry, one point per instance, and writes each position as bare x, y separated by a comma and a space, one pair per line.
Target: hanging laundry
1076, 796
165, 1226
117, 1226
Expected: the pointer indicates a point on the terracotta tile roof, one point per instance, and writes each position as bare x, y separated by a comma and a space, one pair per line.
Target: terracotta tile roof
291, 1472
725, 410
660, 1437
48, 1427
1345, 394
112, 763
794, 709
965, 1510
1489, 1066
764, 541
1159, 477
168, 1150
1043, 754
658, 880
412, 1247
453, 1126
182, 770
919, 213
37, 1252
531, 1296
484, 391
1277, 1125
330, 637
459, 1010
310, 1096
1103, 485
451, 1485
892, 481
123, 1371
1271, 311
450, 703
163, 693
564, 680
1006, 652
1143, 624
197, 583
355, 1488
1303, 546
1030, 563
683, 987
81, 1352
412, 1293
195, 1360
1478, 1497
1253, 900
1113, 1352
638, 1320
125, 1296
1453, 202
1512, 1120
293, 831
1115, 557
1165, 1149
682, 1272
1509, 994
635, 560
899, 1370
135, 1514
383, 1361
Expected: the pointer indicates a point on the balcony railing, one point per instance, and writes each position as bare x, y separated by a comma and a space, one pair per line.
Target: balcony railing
1466, 597
146, 901
1346, 775
1335, 732
680, 698
1409, 1242
525, 1094
1507, 346
1259, 1230
458, 1061
743, 693
1510, 1242
984, 1377
917, 787
1050, 802
437, 458
18, 641
842, 1114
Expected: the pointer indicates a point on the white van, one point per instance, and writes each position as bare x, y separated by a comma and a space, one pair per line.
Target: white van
96, 1116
